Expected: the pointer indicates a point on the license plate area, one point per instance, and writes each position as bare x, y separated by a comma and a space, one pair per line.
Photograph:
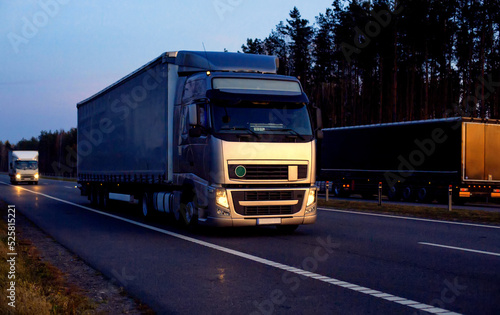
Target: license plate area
268, 221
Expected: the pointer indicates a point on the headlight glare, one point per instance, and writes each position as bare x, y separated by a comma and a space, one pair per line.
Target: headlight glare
311, 198
221, 198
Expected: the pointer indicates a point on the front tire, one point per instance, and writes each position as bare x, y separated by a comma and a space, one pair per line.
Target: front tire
190, 215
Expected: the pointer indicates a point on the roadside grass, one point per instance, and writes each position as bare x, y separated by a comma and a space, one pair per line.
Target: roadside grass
474, 216
40, 287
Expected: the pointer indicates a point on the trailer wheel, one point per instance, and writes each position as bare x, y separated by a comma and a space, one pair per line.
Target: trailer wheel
393, 193
408, 193
424, 194
103, 198
93, 195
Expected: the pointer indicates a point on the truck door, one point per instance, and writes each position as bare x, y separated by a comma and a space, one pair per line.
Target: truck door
492, 149
480, 156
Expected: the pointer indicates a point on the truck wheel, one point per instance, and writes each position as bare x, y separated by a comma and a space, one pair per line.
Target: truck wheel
393, 194
424, 195
188, 211
103, 199
408, 193
146, 205
93, 196
190, 214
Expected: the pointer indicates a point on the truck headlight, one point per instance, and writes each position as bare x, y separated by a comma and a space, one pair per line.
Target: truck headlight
221, 198
36, 176
18, 176
311, 198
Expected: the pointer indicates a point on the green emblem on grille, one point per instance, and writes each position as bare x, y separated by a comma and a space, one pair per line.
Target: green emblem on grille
240, 171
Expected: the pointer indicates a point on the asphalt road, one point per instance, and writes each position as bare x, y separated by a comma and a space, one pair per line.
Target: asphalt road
346, 263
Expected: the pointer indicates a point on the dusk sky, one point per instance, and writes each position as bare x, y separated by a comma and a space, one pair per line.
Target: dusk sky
55, 53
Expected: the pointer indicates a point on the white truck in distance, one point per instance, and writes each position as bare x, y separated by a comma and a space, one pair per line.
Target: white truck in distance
23, 167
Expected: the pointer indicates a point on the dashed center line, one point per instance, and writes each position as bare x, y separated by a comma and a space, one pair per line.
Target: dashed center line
460, 248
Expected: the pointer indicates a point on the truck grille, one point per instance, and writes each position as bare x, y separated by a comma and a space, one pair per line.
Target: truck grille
267, 210
268, 195
266, 172
272, 195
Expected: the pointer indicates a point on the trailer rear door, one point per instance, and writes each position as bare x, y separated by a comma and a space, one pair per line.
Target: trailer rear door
492, 151
480, 153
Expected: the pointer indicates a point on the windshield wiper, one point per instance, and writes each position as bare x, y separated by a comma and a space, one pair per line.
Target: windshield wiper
291, 130
242, 128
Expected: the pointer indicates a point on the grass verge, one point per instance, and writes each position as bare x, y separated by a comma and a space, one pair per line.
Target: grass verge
40, 288
474, 216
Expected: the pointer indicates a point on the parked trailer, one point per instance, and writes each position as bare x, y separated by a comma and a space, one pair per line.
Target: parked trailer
23, 167
417, 160
210, 138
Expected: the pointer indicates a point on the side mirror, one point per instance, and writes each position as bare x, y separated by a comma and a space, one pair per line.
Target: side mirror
319, 118
193, 114
319, 134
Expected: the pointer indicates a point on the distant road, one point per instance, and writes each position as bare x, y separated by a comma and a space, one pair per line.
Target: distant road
346, 263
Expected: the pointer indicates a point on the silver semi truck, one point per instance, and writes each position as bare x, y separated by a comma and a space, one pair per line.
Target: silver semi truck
208, 137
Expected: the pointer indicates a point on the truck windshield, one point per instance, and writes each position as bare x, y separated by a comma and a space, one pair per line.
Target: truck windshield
26, 165
269, 119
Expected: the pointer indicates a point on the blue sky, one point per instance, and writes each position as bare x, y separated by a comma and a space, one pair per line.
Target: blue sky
55, 53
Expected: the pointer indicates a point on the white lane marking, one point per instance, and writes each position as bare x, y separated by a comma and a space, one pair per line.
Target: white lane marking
410, 218
354, 287
460, 248
70, 187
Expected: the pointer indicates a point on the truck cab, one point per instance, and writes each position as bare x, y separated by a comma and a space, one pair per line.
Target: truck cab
245, 143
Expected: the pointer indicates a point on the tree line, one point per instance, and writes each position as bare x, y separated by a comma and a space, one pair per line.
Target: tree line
383, 61
56, 152
366, 62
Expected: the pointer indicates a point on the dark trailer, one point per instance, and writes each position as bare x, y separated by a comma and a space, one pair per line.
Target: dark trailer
414, 160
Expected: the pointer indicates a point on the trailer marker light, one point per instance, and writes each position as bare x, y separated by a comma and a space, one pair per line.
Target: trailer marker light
464, 189
496, 190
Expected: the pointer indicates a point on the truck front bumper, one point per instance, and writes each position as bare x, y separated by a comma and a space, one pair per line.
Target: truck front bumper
229, 222
254, 207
